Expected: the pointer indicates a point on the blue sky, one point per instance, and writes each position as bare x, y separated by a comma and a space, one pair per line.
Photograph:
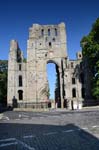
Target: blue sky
16, 16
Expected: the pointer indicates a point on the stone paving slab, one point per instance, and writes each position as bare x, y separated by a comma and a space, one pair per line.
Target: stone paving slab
71, 140
49, 131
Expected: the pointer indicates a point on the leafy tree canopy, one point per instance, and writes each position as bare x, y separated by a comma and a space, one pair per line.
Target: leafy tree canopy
90, 49
3, 80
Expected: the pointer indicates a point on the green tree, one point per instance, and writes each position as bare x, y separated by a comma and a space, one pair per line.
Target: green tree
90, 49
3, 81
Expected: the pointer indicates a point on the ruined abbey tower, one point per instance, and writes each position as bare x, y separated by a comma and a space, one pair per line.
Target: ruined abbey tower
27, 79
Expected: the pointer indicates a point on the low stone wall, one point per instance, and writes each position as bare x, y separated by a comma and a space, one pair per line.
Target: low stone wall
33, 105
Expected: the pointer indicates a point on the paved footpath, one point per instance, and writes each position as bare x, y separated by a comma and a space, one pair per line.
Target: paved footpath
53, 130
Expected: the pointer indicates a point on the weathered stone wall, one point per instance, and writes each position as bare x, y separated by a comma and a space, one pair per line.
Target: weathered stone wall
14, 73
46, 43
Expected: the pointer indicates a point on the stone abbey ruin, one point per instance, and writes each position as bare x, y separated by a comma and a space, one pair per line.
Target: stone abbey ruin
27, 80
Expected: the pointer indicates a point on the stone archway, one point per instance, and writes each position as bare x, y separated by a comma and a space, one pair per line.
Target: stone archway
57, 94
44, 46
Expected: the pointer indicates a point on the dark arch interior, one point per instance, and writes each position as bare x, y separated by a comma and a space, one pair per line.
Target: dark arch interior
20, 94
73, 92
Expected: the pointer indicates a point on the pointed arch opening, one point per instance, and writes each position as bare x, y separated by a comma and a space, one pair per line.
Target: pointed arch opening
53, 78
20, 80
73, 92
20, 94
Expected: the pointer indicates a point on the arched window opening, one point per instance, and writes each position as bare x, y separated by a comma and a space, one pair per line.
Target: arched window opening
20, 95
49, 33
50, 44
42, 32
73, 81
83, 92
73, 92
19, 56
20, 67
20, 80
56, 32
